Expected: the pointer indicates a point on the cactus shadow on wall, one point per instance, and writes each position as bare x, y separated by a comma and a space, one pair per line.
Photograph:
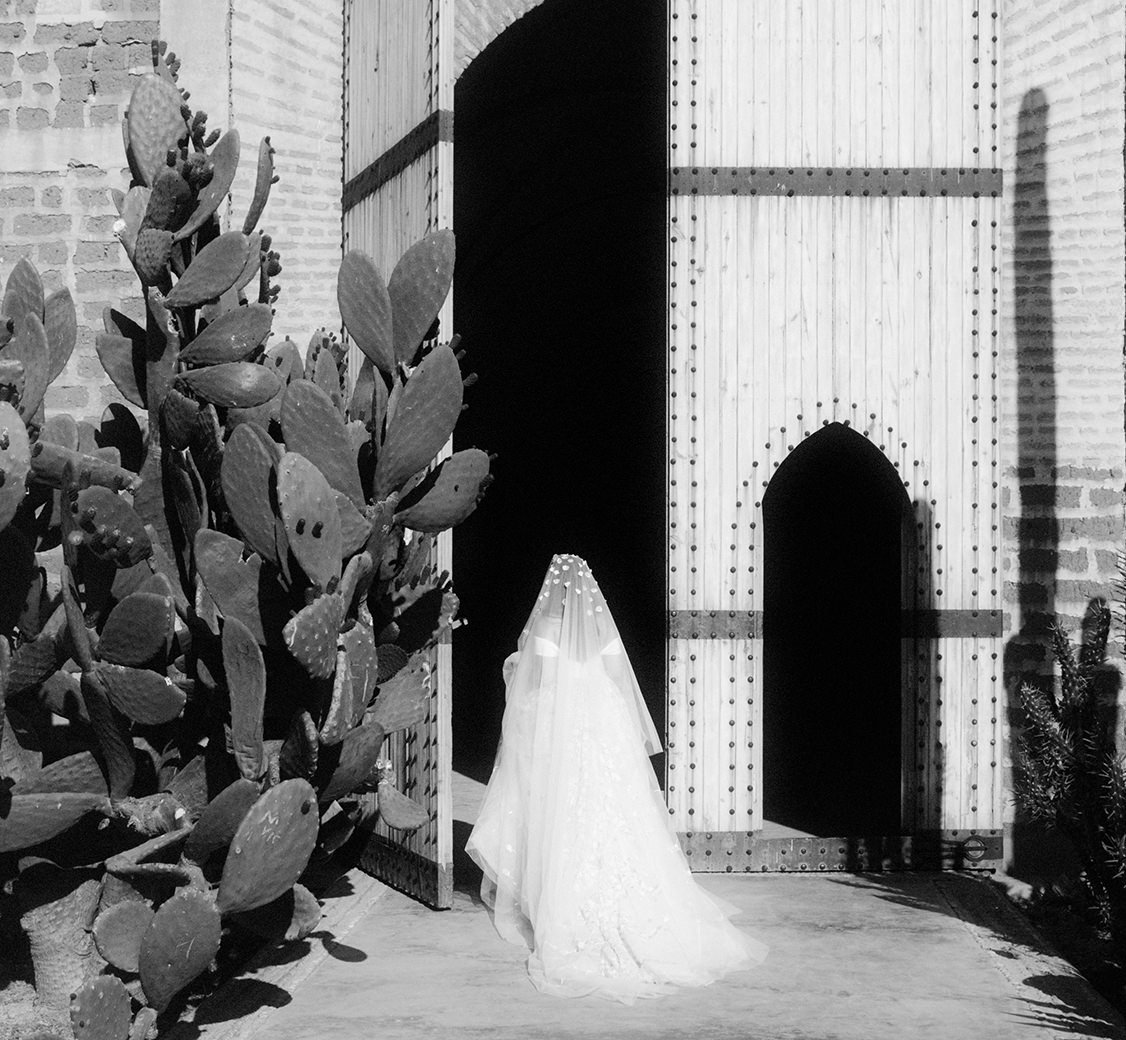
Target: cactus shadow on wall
559, 202
1026, 655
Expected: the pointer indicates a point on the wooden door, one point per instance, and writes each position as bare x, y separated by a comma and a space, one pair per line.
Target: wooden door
398, 180
834, 210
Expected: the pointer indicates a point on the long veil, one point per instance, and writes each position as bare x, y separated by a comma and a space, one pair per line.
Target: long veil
579, 861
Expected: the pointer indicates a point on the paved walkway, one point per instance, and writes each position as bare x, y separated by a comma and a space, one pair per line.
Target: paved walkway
893, 956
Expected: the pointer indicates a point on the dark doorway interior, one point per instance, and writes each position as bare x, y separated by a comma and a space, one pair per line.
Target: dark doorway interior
833, 547
559, 294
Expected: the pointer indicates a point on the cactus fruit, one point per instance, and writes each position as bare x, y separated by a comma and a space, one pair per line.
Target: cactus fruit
423, 420
179, 944
138, 629
154, 124
312, 522
418, 287
365, 309
219, 821
237, 384
397, 810
446, 495
108, 527
271, 848
15, 462
60, 320
246, 687
118, 931
311, 634
212, 272
100, 1009
224, 161
230, 337
313, 427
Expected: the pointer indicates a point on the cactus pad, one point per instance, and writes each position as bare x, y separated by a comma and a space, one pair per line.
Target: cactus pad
363, 663
100, 1009
423, 420
29, 347
313, 427
216, 826
250, 486
403, 700
118, 932
23, 293
155, 125
106, 524
418, 287
285, 359
355, 528
15, 462
138, 629
212, 272
246, 687
61, 323
49, 464
78, 774
152, 253
448, 494
350, 762
224, 161
34, 817
178, 945
271, 847
289, 918
142, 695
230, 581
299, 752
262, 181
124, 363
311, 634
312, 522
365, 309
338, 718
230, 337
237, 384
397, 810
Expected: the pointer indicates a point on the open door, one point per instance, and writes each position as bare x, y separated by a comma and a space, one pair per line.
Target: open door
398, 178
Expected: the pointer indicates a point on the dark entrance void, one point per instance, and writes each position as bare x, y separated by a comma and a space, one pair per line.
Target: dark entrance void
559, 295
832, 706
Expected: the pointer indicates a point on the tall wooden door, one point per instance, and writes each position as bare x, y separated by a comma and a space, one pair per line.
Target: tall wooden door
834, 210
398, 180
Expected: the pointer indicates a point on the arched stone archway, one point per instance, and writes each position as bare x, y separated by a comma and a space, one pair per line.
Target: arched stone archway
834, 515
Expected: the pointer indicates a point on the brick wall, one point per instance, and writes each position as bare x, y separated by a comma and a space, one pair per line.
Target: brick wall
1062, 83
282, 78
66, 68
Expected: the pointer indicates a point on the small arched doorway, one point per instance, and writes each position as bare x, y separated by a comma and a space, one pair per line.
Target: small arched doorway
834, 517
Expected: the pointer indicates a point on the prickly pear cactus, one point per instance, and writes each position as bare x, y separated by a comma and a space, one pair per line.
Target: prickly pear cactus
101, 1009
178, 945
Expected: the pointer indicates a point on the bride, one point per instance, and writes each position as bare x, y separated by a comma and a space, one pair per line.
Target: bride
581, 865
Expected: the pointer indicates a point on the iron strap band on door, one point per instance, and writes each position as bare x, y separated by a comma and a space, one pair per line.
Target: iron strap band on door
835, 181
438, 126
918, 624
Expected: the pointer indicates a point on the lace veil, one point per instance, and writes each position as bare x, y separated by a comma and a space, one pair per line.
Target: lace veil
570, 625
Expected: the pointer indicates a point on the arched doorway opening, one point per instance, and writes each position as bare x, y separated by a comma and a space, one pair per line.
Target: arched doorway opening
559, 211
834, 545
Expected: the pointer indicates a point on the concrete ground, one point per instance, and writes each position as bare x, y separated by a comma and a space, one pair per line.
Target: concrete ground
871, 957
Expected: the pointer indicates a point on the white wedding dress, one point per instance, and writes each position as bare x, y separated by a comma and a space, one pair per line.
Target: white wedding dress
580, 863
